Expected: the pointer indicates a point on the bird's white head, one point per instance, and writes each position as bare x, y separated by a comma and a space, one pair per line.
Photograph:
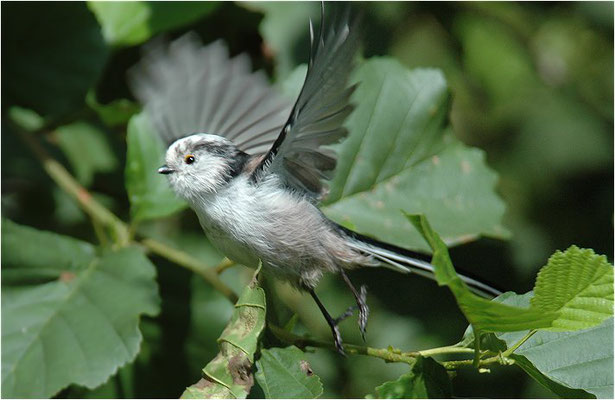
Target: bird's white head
201, 164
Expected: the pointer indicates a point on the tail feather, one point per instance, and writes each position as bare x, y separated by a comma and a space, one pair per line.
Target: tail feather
406, 261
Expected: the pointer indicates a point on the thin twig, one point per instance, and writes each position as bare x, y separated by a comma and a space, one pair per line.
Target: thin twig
66, 182
120, 231
499, 359
225, 264
388, 355
515, 346
191, 263
446, 350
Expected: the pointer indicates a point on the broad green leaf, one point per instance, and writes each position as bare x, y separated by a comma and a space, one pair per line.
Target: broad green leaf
495, 343
282, 27
87, 150
133, 22
558, 389
284, 373
149, 192
400, 154
578, 284
229, 374
55, 54
31, 256
483, 314
427, 379
575, 360
68, 314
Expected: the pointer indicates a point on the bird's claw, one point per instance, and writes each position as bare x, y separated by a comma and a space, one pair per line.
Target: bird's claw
337, 339
363, 311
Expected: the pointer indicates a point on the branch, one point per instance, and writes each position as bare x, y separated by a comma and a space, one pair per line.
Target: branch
191, 263
66, 182
499, 359
102, 216
388, 355
99, 214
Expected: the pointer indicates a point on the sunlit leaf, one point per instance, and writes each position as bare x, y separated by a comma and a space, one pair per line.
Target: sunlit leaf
132, 22
483, 314
400, 154
69, 315
149, 192
558, 389
285, 373
578, 284
582, 359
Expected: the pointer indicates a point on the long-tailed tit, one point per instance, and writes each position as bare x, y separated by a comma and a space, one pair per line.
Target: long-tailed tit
254, 176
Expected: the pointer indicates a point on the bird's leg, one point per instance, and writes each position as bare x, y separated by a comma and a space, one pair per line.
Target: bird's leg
333, 322
361, 298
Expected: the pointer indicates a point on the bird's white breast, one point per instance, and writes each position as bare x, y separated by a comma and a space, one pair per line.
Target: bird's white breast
251, 222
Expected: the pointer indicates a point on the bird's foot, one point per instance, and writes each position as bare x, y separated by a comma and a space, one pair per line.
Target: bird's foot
363, 310
337, 339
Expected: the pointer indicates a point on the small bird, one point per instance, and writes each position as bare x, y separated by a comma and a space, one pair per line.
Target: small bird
251, 164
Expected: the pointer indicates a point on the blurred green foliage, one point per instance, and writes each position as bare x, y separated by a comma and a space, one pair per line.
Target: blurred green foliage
531, 84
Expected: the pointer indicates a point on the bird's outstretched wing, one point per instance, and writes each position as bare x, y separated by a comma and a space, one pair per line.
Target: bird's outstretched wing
319, 112
186, 88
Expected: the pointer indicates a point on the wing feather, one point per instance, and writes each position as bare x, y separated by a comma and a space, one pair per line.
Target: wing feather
317, 118
186, 88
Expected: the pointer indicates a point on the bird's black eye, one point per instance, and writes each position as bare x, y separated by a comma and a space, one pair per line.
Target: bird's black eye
189, 159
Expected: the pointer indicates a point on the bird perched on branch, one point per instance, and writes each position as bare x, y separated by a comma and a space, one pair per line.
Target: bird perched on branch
251, 164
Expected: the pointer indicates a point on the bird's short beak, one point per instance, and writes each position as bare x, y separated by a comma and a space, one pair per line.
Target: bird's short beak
165, 170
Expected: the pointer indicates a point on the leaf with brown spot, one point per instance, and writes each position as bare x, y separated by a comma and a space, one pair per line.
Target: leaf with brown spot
284, 373
229, 374
81, 305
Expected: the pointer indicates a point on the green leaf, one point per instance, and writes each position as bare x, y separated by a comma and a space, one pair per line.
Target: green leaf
55, 254
115, 113
580, 359
26, 119
427, 379
400, 154
578, 284
55, 55
229, 374
87, 150
553, 386
484, 315
133, 22
149, 192
576, 360
68, 315
284, 373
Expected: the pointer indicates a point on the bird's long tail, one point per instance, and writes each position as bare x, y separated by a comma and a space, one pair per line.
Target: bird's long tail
406, 261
